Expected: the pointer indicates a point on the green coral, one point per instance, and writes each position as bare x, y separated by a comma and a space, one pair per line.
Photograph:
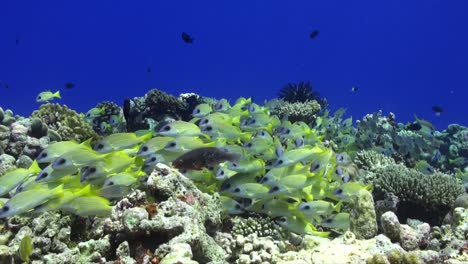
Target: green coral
296, 111
66, 122
434, 194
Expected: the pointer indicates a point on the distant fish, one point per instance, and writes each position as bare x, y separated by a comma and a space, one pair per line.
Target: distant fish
187, 38
415, 126
148, 70
354, 89
313, 34
205, 157
47, 96
437, 109
69, 85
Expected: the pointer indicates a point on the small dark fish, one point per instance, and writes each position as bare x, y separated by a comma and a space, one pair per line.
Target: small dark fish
187, 38
415, 126
69, 85
200, 158
313, 34
148, 70
354, 89
437, 109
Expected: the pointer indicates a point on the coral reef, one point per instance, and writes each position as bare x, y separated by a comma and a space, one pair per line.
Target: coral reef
21, 139
295, 111
67, 123
182, 216
106, 118
425, 197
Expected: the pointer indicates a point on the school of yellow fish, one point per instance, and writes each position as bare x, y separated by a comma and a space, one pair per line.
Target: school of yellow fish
285, 170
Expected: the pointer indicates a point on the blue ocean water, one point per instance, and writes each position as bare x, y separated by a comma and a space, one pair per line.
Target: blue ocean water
405, 56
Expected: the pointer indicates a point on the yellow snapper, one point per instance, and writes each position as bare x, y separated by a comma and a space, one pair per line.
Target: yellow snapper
13, 178
47, 96
112, 163
299, 226
202, 110
49, 174
222, 105
76, 158
230, 205
180, 128
250, 190
153, 145
90, 205
339, 222
316, 209
26, 201
185, 143
119, 141
56, 149
118, 185
297, 155
25, 248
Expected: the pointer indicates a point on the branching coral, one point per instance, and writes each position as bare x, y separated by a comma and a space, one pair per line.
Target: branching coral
66, 122
297, 111
425, 197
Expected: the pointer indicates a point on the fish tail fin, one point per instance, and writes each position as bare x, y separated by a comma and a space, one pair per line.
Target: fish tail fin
34, 167
57, 95
58, 191
84, 191
337, 207
87, 143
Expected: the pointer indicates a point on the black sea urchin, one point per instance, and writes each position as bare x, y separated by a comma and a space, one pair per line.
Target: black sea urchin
300, 92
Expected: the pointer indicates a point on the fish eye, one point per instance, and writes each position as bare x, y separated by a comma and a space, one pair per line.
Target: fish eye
339, 157
338, 191
153, 159
236, 190
197, 111
39, 97
225, 186
60, 161
171, 145
339, 171
92, 170
307, 207
291, 200
144, 148
280, 162
238, 207
43, 155
166, 128
203, 121
345, 178
221, 172
6, 208
249, 145
208, 128
287, 131
264, 179
274, 189
328, 221
100, 146
110, 183
234, 164
314, 167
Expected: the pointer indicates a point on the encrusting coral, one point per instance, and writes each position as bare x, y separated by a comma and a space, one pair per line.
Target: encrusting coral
67, 123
